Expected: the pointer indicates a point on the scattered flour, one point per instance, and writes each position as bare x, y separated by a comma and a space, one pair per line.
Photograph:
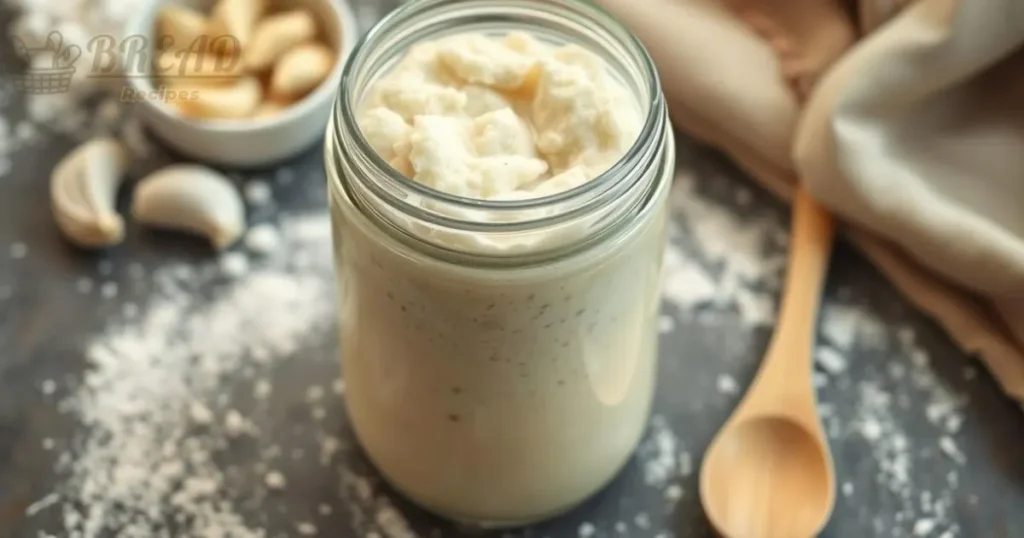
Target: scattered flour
258, 192
842, 325
275, 480
830, 360
140, 458
730, 265
234, 264
658, 453
262, 239
726, 384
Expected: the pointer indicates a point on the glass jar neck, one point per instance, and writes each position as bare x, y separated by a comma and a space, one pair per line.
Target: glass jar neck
490, 230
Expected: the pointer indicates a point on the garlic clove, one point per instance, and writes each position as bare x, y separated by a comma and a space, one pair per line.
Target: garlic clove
236, 18
198, 68
301, 69
269, 109
194, 199
275, 35
178, 27
83, 193
238, 100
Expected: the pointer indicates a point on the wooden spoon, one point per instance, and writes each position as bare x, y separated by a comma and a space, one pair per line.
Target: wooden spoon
768, 473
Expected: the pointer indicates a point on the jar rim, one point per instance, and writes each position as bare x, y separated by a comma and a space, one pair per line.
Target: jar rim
346, 110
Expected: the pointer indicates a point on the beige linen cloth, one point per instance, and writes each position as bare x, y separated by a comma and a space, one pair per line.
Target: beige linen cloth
914, 137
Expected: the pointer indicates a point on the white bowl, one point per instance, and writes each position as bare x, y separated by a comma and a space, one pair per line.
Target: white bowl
249, 143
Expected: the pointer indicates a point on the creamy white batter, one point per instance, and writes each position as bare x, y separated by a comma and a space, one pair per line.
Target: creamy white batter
499, 395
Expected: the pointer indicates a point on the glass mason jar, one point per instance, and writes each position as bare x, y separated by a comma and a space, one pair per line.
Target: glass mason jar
499, 356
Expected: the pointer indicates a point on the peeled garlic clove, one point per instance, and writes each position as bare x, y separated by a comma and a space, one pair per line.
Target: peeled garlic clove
83, 192
301, 69
275, 35
238, 100
269, 109
236, 18
191, 198
198, 68
178, 27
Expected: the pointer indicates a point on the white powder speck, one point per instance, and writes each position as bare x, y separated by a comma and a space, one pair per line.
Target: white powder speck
275, 480
200, 414
642, 520
726, 384
108, 290
819, 380
105, 267
235, 424
258, 192
970, 373
830, 360
847, 489
329, 446
621, 527
234, 264
673, 493
871, 429
318, 413
391, 522
42, 504
48, 387
18, 250
338, 387
306, 529
262, 389
324, 509
924, 526
843, 325
658, 453
586, 530
685, 464
950, 449
314, 393
666, 324
48, 443
262, 239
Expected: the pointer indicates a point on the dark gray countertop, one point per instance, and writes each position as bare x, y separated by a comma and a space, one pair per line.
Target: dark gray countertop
925, 443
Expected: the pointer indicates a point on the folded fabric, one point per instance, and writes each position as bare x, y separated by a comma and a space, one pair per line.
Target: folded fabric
914, 137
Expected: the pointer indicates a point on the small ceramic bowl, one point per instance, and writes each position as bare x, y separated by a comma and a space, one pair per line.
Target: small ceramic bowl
257, 142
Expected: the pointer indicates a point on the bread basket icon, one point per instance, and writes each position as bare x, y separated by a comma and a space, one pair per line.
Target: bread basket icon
50, 67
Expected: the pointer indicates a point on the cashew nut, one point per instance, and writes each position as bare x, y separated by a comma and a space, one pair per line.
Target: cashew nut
178, 27
238, 100
301, 69
275, 35
191, 198
83, 191
236, 18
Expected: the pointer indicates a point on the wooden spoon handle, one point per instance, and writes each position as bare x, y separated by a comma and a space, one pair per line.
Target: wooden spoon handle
786, 369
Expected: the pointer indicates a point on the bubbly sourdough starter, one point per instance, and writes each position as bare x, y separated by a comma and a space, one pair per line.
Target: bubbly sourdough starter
499, 395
